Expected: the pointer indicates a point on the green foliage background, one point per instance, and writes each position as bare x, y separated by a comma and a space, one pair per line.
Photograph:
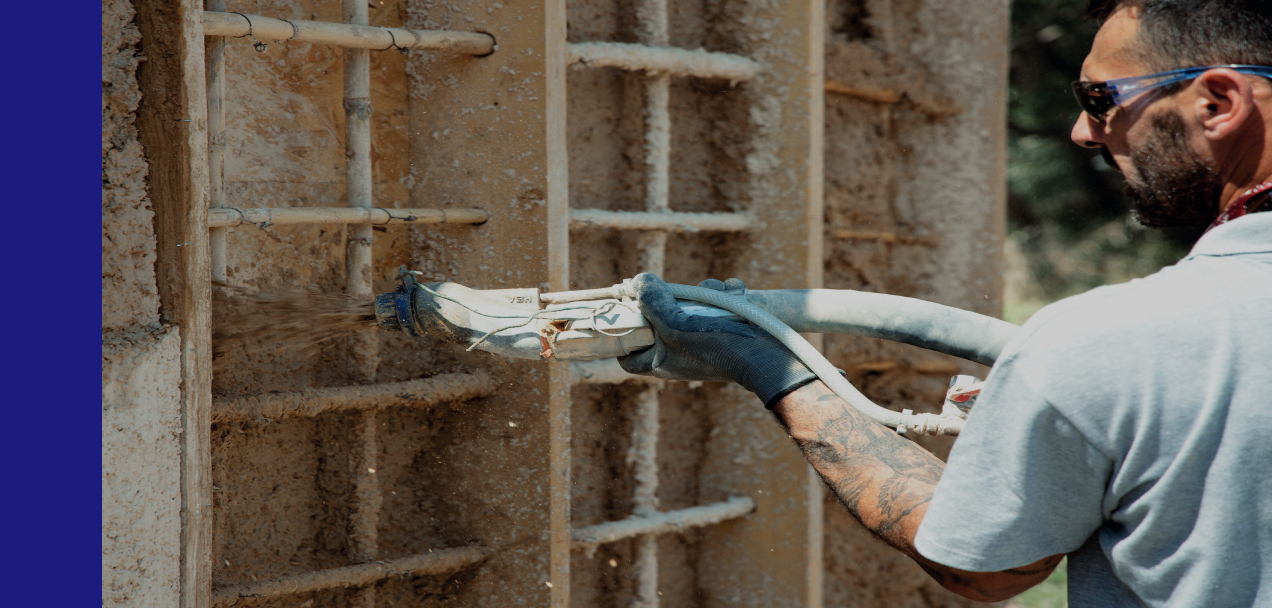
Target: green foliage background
1069, 225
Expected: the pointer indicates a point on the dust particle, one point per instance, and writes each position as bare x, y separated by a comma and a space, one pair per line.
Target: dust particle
297, 321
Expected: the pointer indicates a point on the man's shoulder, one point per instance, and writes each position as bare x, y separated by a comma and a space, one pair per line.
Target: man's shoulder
1118, 329
1097, 317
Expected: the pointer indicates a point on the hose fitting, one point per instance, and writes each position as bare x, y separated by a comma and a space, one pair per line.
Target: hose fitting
393, 309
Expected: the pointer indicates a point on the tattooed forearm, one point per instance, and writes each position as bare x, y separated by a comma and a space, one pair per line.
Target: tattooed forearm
886, 482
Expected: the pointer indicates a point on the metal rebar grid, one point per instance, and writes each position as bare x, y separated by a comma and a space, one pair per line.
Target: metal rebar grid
437, 561
348, 34
233, 216
660, 62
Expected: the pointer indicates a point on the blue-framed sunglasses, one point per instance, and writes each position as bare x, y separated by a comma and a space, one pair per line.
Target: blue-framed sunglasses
1097, 98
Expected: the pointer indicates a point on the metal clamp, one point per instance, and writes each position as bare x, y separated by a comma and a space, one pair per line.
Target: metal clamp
257, 44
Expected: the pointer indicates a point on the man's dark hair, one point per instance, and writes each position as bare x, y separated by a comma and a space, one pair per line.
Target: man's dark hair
1178, 34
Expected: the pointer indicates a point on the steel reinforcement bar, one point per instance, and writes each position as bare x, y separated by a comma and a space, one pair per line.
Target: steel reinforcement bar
662, 523
233, 216
352, 36
661, 60
442, 388
438, 561
670, 221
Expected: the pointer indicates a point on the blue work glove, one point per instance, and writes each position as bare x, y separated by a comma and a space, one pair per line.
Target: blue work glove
690, 347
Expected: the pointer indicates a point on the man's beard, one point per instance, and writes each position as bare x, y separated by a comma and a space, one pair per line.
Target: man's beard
1173, 185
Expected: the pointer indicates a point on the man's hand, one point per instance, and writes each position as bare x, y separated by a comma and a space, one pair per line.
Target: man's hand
886, 482
689, 347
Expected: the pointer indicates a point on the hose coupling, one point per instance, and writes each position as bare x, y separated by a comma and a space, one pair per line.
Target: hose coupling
393, 309
928, 424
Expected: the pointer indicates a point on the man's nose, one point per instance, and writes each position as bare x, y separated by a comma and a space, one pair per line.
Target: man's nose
1087, 132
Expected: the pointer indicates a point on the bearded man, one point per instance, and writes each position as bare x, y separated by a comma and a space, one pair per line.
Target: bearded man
1127, 427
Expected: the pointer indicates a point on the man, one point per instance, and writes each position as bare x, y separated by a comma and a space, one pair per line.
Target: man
1127, 427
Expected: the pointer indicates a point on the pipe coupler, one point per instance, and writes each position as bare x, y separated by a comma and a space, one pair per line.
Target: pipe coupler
393, 309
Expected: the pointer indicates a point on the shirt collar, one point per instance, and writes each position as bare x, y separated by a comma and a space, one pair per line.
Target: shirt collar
1246, 234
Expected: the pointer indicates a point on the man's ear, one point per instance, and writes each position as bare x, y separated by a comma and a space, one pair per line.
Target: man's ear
1225, 100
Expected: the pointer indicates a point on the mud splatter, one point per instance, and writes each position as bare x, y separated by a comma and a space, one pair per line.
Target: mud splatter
300, 321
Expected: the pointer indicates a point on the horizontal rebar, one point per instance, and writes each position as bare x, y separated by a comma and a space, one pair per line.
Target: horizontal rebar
662, 523
231, 216
660, 220
438, 561
603, 371
662, 60
884, 237
345, 35
313, 401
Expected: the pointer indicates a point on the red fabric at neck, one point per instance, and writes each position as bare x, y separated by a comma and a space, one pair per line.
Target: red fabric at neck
1238, 209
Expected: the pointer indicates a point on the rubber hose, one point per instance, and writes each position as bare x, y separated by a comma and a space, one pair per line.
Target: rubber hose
944, 329
798, 345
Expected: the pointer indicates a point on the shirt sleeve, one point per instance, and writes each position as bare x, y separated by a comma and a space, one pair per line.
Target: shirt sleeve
1022, 482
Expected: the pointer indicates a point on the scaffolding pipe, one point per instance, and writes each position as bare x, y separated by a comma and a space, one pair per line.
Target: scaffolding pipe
665, 220
662, 523
232, 216
437, 561
215, 66
662, 60
311, 402
347, 35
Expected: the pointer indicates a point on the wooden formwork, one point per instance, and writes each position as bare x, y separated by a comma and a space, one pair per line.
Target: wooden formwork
495, 138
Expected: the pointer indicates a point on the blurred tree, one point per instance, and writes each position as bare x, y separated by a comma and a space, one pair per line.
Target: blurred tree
1069, 226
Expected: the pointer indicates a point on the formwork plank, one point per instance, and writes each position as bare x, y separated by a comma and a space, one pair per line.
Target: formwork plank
172, 126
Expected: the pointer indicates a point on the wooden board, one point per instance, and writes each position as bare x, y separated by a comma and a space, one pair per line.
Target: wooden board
172, 125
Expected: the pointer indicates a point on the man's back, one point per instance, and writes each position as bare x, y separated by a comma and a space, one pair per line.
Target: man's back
1138, 412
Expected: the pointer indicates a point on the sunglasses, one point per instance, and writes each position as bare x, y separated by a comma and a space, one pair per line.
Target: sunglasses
1097, 98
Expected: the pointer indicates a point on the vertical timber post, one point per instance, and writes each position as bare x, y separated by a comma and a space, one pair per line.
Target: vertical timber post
815, 266
172, 128
558, 177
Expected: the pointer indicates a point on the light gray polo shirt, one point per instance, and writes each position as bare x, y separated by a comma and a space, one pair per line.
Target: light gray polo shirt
1131, 428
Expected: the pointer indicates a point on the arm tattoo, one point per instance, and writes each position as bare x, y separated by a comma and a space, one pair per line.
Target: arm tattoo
881, 477
886, 482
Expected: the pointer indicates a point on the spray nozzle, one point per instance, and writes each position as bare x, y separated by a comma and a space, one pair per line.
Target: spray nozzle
393, 309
